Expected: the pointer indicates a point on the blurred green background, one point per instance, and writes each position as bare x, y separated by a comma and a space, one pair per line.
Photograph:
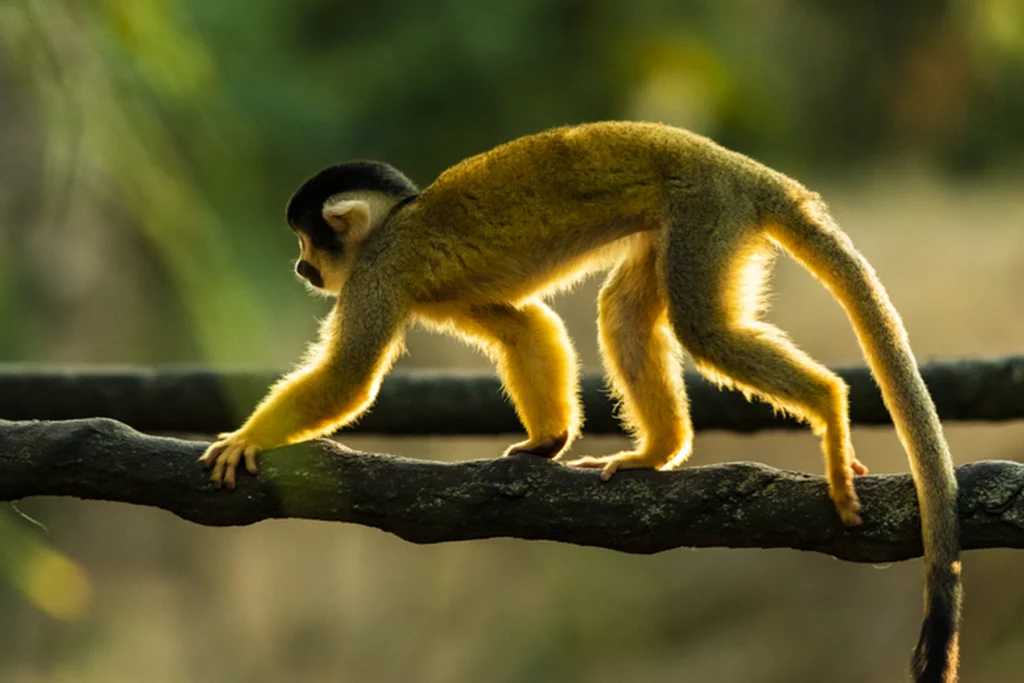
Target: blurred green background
147, 148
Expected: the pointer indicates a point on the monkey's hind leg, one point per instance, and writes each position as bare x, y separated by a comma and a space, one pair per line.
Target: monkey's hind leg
641, 357
537, 365
715, 288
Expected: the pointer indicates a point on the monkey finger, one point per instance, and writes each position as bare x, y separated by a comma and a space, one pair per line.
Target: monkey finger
210, 456
220, 468
250, 459
858, 467
231, 458
229, 475
217, 474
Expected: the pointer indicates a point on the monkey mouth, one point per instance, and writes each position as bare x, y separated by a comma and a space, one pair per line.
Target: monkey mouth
309, 272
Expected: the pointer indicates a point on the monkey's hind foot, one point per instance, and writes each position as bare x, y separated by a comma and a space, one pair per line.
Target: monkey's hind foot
548, 447
847, 505
842, 467
626, 460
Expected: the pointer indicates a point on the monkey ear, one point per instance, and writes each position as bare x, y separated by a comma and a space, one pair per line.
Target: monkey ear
349, 218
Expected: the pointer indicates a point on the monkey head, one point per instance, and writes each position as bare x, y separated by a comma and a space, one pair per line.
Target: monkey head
333, 212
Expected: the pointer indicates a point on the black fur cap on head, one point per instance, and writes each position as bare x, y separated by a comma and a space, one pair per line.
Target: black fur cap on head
305, 208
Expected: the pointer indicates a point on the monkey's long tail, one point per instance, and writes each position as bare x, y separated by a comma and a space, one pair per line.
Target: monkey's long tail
812, 238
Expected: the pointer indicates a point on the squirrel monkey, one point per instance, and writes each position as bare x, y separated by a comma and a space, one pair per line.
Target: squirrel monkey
688, 229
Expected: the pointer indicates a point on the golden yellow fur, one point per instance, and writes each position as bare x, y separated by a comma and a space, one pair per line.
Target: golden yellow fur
689, 229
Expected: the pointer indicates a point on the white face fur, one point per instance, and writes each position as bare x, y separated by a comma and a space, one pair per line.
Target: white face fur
315, 269
352, 215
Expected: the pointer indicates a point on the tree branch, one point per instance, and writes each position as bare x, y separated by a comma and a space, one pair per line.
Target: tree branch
200, 401
735, 505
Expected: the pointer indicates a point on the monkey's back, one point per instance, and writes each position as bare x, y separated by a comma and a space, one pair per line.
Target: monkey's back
536, 210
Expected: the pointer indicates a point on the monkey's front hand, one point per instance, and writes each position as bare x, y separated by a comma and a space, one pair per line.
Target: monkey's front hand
225, 453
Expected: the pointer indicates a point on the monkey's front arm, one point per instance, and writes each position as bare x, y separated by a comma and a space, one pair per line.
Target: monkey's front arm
338, 383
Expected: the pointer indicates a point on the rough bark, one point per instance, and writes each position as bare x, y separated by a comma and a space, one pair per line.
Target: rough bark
734, 505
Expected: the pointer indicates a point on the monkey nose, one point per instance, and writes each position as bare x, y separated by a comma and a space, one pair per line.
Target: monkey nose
308, 270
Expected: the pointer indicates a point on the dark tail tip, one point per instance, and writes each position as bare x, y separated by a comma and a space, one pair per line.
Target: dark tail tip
937, 655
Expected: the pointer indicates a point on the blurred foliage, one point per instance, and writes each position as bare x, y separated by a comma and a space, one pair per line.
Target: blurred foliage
170, 132
47, 578
147, 147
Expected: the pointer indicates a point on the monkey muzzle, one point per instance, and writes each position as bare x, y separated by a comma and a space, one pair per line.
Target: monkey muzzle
307, 270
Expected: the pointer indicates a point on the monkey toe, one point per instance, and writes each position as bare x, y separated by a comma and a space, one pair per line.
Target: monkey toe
548, 447
848, 507
850, 519
610, 464
858, 467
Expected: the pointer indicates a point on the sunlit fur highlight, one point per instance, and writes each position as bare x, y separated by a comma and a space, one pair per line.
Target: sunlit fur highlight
689, 230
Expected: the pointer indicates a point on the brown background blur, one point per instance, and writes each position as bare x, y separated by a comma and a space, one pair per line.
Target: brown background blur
147, 148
